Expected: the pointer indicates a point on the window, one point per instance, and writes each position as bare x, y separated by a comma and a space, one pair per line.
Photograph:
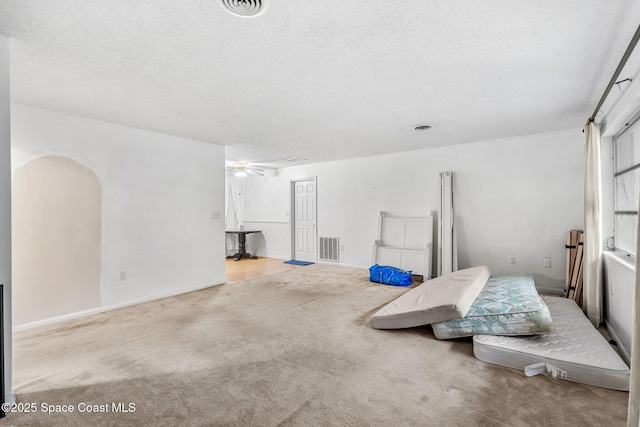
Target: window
626, 176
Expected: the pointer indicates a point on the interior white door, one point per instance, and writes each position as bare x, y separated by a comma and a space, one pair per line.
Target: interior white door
304, 228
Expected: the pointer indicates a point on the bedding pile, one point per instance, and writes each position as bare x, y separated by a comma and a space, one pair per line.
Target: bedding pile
469, 302
511, 324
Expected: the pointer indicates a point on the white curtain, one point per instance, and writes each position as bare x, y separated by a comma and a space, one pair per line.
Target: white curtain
236, 184
633, 417
448, 251
592, 256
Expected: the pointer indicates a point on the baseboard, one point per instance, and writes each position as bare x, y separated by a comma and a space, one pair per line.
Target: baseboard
284, 258
102, 309
339, 264
625, 354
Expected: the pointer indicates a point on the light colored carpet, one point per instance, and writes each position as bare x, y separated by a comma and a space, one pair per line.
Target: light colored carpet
290, 349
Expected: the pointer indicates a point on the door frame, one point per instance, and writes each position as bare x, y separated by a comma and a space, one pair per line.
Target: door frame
292, 213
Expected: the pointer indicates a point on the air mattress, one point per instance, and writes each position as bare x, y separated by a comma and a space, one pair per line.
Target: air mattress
574, 350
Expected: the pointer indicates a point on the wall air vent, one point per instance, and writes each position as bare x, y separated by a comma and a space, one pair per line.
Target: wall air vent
242, 7
329, 249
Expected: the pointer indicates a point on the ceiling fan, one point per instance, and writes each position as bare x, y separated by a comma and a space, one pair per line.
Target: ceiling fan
241, 169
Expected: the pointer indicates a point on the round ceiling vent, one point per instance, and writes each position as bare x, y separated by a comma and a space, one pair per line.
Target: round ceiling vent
242, 7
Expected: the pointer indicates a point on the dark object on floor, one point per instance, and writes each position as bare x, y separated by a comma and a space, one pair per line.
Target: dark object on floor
390, 275
296, 262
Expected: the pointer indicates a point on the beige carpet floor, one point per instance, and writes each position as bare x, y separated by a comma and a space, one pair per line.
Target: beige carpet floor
290, 349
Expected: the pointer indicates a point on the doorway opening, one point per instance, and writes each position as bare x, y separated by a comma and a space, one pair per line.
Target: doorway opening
304, 235
56, 227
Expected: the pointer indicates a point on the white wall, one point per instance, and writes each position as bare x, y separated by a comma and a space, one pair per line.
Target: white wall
159, 192
513, 197
5, 209
618, 295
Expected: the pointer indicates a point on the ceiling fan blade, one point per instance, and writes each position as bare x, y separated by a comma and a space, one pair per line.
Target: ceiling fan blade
254, 172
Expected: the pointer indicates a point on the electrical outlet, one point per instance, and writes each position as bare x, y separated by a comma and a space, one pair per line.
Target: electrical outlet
215, 215
547, 262
122, 276
512, 260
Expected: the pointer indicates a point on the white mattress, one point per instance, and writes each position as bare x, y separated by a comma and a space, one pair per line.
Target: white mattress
444, 298
574, 350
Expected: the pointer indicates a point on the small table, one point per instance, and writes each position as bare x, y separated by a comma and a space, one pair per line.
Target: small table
242, 240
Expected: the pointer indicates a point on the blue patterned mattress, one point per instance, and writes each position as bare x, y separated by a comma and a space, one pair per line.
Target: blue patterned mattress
507, 305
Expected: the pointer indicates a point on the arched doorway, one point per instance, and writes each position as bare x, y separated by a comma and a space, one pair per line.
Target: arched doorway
56, 232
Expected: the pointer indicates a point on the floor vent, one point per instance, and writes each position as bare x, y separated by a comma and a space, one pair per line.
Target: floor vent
329, 249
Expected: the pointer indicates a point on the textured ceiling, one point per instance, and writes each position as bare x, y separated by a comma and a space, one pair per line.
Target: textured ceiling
320, 80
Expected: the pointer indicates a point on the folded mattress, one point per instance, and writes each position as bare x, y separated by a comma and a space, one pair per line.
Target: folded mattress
508, 305
444, 298
574, 350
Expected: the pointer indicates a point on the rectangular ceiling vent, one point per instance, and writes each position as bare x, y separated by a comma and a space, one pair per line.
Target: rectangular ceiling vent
329, 249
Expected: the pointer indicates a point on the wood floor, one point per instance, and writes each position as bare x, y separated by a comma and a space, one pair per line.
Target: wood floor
244, 269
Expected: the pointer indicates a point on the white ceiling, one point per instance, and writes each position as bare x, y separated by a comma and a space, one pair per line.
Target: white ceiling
320, 80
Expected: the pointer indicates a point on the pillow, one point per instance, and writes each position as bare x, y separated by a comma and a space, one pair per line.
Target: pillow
444, 298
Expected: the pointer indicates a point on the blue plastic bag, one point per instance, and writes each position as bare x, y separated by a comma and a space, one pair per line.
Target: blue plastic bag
390, 275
